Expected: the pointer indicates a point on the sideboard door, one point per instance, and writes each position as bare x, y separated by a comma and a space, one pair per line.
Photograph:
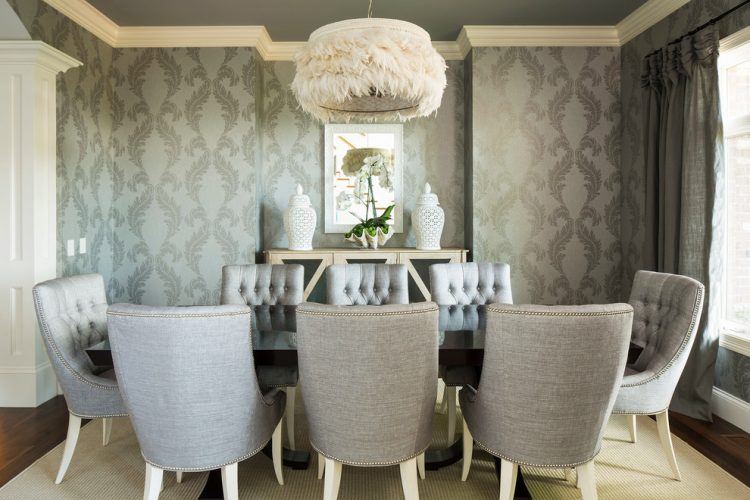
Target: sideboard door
314, 264
365, 257
418, 265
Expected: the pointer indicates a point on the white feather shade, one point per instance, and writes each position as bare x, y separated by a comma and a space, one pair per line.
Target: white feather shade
369, 69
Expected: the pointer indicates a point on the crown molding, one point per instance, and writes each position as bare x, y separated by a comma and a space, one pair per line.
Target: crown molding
36, 52
87, 16
540, 36
191, 36
646, 16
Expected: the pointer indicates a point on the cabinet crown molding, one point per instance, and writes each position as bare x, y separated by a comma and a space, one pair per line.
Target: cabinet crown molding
36, 52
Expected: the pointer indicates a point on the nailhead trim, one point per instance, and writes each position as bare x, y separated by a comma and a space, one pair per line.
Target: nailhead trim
302, 312
698, 300
366, 464
561, 313
528, 464
183, 315
622, 412
210, 467
51, 342
98, 416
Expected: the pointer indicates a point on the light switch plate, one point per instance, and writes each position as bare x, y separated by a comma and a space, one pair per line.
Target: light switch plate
71, 248
82, 245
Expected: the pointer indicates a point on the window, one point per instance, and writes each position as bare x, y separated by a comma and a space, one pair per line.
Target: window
734, 76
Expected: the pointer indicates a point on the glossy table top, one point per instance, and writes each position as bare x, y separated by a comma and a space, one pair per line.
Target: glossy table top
461, 331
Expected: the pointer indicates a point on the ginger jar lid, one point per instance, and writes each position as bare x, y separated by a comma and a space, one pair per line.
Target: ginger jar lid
299, 199
427, 197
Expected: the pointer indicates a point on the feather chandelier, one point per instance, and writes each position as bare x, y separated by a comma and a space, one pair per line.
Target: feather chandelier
369, 69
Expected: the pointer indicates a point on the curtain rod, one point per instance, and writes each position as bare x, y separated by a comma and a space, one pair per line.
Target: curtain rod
707, 23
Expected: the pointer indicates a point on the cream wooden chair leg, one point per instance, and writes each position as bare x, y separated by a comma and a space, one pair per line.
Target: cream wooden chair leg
154, 477
468, 445
587, 480
276, 453
321, 465
179, 476
450, 393
662, 424
632, 427
409, 479
508, 477
420, 466
332, 480
106, 430
291, 396
74, 428
229, 484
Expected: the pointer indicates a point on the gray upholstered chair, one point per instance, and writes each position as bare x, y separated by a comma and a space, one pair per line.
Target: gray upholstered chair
72, 314
357, 361
268, 284
188, 381
549, 381
367, 284
463, 284
667, 312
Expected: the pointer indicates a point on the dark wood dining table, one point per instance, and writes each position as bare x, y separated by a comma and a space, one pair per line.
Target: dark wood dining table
461, 333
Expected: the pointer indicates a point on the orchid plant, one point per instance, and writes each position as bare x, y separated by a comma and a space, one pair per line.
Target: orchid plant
363, 194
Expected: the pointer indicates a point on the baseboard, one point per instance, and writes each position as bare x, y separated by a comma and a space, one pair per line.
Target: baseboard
731, 408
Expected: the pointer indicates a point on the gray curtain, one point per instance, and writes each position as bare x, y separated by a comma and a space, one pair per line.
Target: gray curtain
684, 194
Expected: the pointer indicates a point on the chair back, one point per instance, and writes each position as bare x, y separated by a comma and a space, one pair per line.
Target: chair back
262, 284
188, 380
369, 378
367, 284
470, 283
549, 380
72, 315
667, 310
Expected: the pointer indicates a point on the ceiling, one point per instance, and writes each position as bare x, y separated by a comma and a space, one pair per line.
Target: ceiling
294, 20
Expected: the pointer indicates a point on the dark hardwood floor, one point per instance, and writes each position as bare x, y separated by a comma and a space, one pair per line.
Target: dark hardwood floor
26, 434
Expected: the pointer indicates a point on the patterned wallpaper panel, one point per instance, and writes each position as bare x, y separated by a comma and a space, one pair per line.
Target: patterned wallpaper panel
546, 183
185, 151
292, 146
732, 369
84, 138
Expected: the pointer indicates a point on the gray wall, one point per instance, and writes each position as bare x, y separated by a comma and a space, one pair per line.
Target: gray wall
546, 183
732, 369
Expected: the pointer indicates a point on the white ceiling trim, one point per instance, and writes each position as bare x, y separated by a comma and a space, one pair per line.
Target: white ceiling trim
83, 13
541, 36
646, 16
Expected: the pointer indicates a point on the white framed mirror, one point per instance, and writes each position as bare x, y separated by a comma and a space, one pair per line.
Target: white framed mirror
348, 194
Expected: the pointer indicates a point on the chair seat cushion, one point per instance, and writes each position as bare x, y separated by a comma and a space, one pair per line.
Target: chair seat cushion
277, 376
458, 376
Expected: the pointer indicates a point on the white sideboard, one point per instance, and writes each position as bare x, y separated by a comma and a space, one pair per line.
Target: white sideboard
416, 261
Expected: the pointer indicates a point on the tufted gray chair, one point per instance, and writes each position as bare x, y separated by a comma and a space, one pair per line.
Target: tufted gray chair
369, 376
268, 284
667, 312
470, 283
367, 284
462, 284
549, 381
187, 379
72, 314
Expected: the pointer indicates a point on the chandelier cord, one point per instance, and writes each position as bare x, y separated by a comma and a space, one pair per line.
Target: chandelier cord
369, 10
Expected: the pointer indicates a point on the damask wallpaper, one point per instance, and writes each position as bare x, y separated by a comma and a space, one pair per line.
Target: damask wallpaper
185, 156
732, 369
85, 163
546, 182
292, 146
